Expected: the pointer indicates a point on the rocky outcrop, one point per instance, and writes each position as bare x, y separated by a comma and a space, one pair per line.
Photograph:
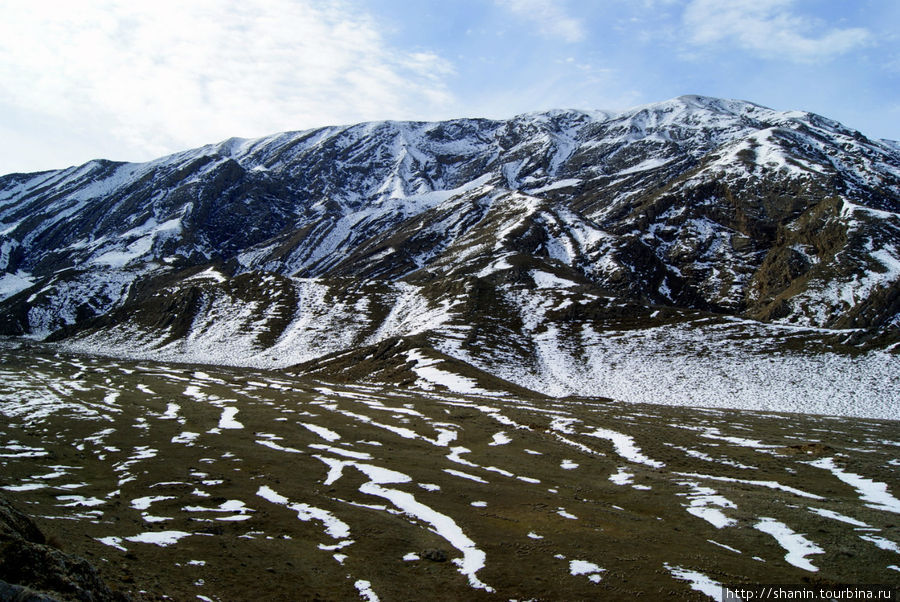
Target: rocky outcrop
32, 570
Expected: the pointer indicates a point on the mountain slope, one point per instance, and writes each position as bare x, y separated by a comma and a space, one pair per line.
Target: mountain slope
296, 246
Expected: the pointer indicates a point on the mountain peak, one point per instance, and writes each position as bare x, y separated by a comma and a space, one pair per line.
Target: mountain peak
698, 203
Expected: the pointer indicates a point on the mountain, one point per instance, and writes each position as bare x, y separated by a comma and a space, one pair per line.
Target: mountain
528, 253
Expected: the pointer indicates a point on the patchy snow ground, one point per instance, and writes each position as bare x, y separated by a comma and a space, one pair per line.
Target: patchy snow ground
875, 494
696, 362
699, 363
586, 491
798, 547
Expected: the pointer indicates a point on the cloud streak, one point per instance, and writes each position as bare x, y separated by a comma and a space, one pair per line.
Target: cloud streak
767, 28
549, 16
171, 74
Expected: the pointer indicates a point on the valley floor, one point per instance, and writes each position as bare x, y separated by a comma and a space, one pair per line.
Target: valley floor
237, 484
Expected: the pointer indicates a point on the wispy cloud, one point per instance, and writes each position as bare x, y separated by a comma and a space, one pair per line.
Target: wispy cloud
172, 73
768, 28
549, 16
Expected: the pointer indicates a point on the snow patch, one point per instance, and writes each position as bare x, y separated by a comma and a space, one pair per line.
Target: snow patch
583, 567
869, 491
797, 546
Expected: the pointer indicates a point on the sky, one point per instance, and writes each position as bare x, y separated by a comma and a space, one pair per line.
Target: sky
132, 80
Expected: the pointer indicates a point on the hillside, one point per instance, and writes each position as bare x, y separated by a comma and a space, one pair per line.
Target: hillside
715, 244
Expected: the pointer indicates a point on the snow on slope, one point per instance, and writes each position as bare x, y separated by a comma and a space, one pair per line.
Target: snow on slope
11, 284
706, 362
649, 204
703, 362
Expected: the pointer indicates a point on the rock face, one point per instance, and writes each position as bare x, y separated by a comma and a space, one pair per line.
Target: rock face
33, 571
304, 244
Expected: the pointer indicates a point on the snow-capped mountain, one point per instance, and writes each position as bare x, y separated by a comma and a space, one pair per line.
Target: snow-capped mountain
487, 238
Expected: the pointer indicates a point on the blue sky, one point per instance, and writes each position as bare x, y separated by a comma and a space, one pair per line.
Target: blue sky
130, 80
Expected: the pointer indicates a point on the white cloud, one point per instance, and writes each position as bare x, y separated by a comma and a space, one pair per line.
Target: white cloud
768, 28
549, 16
171, 74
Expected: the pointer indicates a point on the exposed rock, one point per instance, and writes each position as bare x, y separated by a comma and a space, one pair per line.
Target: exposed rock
32, 570
17, 593
434, 555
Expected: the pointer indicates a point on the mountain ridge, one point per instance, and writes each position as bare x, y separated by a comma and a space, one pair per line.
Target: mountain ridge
689, 207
